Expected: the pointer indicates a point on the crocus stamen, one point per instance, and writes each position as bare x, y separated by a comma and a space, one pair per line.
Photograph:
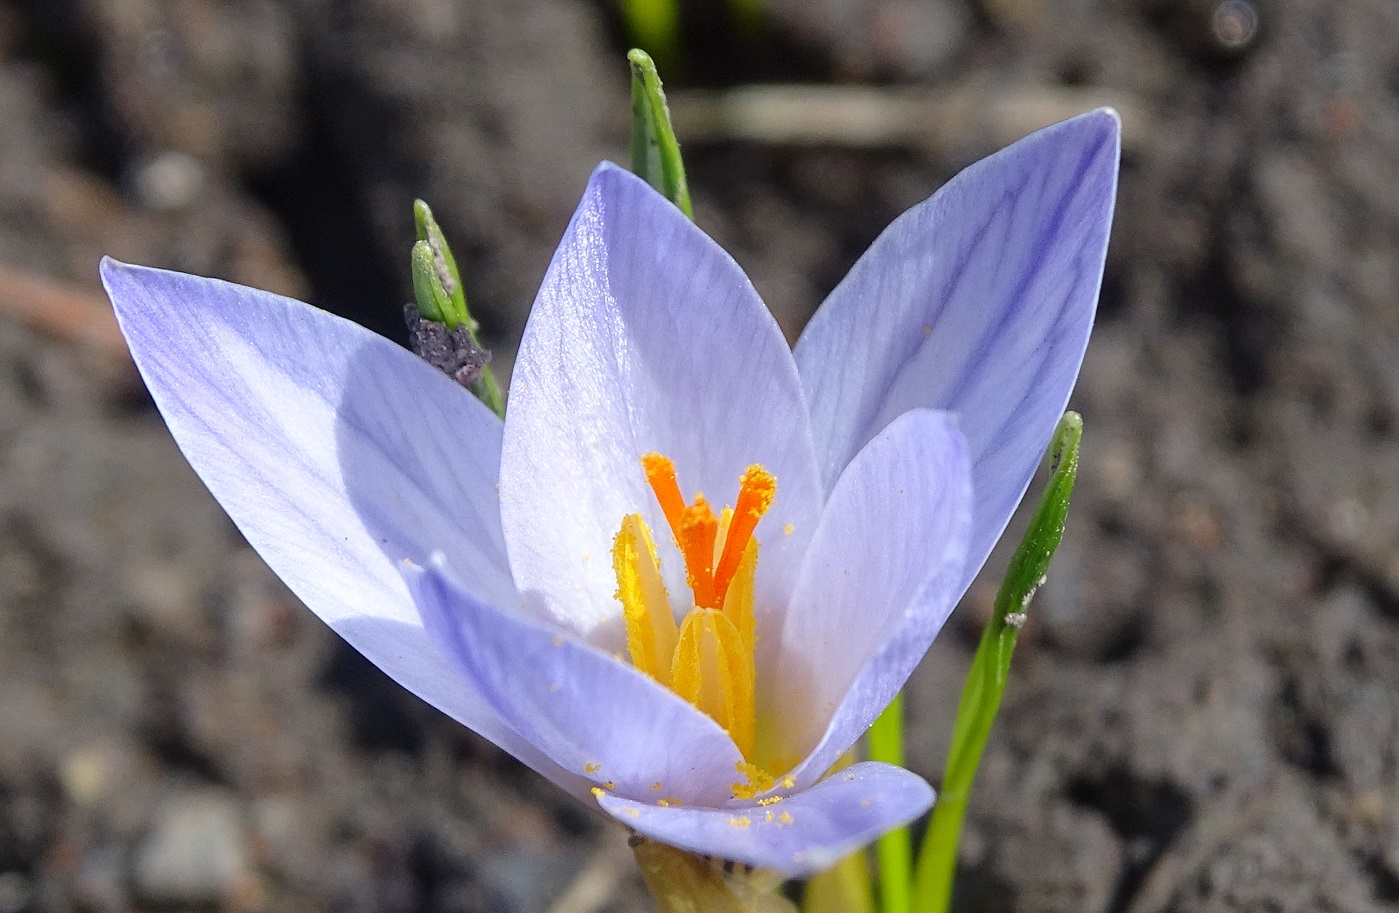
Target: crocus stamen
650, 623
713, 670
708, 659
738, 600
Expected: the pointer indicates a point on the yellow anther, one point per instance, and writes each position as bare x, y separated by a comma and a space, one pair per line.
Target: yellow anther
650, 623
713, 670
738, 601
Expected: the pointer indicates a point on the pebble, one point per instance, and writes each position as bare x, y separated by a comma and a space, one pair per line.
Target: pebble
196, 852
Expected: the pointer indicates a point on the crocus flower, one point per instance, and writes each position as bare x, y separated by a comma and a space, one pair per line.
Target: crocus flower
556, 583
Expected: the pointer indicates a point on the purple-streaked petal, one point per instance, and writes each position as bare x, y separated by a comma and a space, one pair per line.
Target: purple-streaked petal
590, 713
978, 301
645, 336
798, 836
338, 455
878, 582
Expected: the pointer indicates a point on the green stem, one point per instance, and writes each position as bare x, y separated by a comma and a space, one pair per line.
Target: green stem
894, 850
986, 680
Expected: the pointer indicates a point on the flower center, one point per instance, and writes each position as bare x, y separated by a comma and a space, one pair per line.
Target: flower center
708, 658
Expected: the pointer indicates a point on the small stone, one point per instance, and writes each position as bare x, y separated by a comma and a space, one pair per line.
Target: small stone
169, 182
88, 773
195, 853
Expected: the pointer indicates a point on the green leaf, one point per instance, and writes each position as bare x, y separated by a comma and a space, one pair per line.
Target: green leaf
441, 298
986, 680
443, 262
894, 850
655, 154
434, 302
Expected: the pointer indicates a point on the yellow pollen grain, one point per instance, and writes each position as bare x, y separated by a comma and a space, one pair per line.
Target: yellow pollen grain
635, 813
785, 818
558, 641
927, 330
788, 529
771, 800
598, 791
791, 782
609, 785
655, 787
864, 803
759, 781
591, 767
740, 821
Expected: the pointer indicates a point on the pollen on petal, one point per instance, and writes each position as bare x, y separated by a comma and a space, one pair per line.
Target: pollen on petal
758, 781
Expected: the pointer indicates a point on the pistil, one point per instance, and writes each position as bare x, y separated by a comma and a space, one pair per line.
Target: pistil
708, 659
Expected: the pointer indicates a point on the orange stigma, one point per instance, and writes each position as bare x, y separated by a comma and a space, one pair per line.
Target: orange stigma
709, 569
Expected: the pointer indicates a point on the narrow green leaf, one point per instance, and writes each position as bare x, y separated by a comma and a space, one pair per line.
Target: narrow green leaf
655, 154
986, 680
894, 850
441, 298
434, 302
445, 264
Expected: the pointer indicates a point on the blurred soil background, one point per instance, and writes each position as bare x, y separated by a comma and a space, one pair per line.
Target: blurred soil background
1205, 709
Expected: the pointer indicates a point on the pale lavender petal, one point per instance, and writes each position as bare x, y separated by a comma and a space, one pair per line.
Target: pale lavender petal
878, 583
978, 301
645, 336
589, 712
798, 836
338, 454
